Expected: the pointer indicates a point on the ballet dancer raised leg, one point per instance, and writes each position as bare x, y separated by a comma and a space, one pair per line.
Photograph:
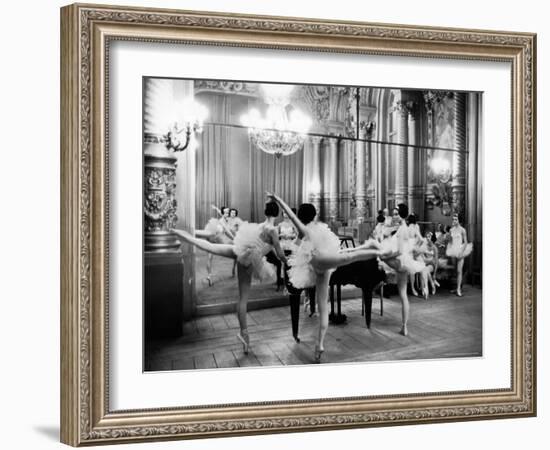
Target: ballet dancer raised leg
243, 274
323, 261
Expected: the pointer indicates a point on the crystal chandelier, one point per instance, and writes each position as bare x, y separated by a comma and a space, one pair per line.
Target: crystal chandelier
283, 130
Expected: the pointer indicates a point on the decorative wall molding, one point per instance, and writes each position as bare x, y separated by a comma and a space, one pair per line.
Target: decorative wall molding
227, 87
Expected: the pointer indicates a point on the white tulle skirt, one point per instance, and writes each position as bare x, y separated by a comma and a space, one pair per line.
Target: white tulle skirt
405, 262
459, 250
216, 230
251, 250
320, 241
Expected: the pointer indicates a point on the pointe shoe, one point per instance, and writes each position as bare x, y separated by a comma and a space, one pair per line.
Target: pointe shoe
318, 355
404, 331
209, 280
296, 338
459, 293
245, 339
425, 293
414, 293
437, 283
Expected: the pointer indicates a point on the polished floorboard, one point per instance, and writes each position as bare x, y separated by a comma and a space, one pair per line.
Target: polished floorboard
444, 326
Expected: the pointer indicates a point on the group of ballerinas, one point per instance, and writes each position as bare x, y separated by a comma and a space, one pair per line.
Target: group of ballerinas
427, 249
315, 254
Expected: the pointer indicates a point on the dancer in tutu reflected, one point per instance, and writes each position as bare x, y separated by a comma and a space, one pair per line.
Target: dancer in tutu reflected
288, 232
317, 256
217, 231
458, 248
252, 242
430, 255
378, 231
405, 264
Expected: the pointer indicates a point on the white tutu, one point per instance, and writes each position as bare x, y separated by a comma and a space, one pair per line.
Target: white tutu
427, 253
405, 262
408, 262
215, 228
459, 250
251, 250
320, 240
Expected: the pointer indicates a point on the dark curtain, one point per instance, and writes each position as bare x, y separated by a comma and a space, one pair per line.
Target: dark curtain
212, 186
283, 176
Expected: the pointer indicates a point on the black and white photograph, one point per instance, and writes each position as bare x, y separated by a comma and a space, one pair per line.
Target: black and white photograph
296, 224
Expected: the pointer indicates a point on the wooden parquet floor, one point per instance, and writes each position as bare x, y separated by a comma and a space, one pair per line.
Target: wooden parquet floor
445, 326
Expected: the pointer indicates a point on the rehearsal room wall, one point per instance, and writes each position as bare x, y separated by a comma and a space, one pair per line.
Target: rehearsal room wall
29, 229
239, 180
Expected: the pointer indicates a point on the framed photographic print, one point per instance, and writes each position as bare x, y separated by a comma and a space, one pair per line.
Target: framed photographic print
279, 224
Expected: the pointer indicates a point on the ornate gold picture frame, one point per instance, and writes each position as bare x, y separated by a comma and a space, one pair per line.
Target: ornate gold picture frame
87, 31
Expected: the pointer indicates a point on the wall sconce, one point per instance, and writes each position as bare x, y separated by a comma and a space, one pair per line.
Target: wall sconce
441, 169
179, 134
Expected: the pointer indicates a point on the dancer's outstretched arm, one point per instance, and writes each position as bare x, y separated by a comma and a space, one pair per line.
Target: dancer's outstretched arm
216, 249
297, 222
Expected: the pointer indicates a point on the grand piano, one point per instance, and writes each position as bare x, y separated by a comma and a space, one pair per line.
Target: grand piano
365, 275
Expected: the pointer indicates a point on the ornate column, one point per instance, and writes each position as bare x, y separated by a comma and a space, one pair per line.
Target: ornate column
345, 178
430, 98
164, 300
360, 170
314, 188
401, 171
371, 162
330, 182
458, 184
159, 185
415, 188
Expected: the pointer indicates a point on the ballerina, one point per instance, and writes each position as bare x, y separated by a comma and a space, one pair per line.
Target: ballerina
378, 231
317, 256
458, 248
234, 221
430, 255
404, 264
288, 233
252, 242
216, 231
